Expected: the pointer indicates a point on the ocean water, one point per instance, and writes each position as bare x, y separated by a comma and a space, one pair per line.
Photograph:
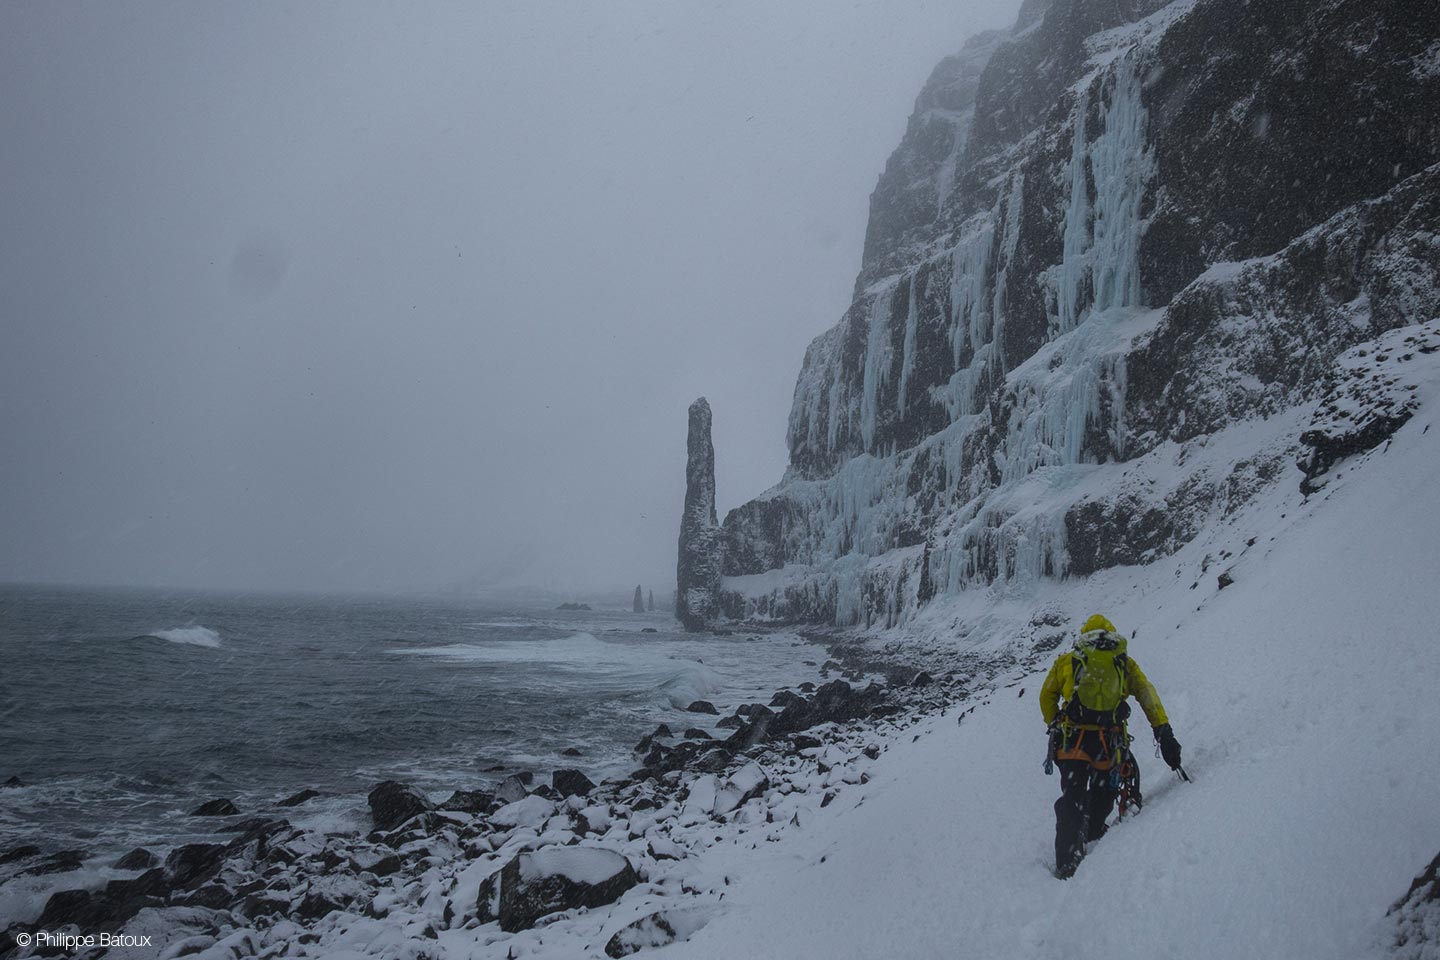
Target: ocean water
123, 710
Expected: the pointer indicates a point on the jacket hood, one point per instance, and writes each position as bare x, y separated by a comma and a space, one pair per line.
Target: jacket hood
1097, 622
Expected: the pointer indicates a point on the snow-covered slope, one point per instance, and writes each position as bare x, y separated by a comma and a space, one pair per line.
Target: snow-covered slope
1304, 694
1113, 236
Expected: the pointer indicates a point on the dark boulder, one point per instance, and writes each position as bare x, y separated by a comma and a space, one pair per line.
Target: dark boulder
13, 783
783, 698
20, 853
551, 879
731, 723
318, 904
62, 862
468, 801
835, 702
571, 752
802, 741
304, 796
695, 733
663, 731
392, 803
571, 783
187, 866
703, 706
219, 807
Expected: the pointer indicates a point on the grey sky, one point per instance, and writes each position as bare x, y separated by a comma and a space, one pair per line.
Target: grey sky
355, 296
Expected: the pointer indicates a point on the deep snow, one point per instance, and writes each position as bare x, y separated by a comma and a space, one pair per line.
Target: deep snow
1304, 695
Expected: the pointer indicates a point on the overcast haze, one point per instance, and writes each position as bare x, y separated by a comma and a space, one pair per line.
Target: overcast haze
343, 296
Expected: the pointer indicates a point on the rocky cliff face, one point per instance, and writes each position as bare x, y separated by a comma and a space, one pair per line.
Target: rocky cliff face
697, 575
1108, 275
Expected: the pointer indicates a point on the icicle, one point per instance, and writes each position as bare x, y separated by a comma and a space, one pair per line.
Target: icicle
907, 362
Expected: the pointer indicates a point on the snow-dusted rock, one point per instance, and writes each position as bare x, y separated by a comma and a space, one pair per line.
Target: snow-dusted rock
744, 784
1377, 387
551, 879
656, 930
532, 811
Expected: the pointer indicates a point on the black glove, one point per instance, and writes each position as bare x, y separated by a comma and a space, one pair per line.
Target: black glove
1169, 746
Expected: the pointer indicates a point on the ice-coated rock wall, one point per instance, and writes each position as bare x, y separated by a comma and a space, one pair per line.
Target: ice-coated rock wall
1108, 236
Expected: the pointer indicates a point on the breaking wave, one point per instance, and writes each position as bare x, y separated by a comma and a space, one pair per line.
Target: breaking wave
193, 636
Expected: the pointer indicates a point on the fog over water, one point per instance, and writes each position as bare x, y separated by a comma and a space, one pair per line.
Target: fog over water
380, 296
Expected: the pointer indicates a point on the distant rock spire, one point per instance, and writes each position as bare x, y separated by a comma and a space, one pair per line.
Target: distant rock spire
639, 606
697, 574
650, 604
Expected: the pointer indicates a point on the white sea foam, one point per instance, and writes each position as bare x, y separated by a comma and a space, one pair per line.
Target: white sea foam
195, 636
579, 648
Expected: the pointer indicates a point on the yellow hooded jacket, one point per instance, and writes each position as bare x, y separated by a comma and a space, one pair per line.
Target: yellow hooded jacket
1060, 683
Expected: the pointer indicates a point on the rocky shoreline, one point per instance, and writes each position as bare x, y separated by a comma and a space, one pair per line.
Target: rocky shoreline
483, 866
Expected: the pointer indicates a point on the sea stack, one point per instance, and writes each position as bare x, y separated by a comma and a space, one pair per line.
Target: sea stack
697, 575
639, 604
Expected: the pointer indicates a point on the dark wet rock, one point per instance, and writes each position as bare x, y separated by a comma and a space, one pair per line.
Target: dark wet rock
663, 730
13, 783
783, 698
192, 863
807, 687
571, 752
392, 803
703, 706
801, 741
697, 573
24, 852
219, 807
259, 831
304, 796
547, 791
571, 783
648, 630
468, 801
695, 733
62, 862
246, 826
552, 879
731, 722
714, 760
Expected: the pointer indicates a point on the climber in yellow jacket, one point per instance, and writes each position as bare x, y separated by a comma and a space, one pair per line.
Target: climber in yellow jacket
1089, 741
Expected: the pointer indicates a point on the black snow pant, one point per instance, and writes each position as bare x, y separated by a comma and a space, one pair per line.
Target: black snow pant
1086, 799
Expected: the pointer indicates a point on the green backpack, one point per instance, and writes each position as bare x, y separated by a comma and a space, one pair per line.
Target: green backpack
1100, 668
